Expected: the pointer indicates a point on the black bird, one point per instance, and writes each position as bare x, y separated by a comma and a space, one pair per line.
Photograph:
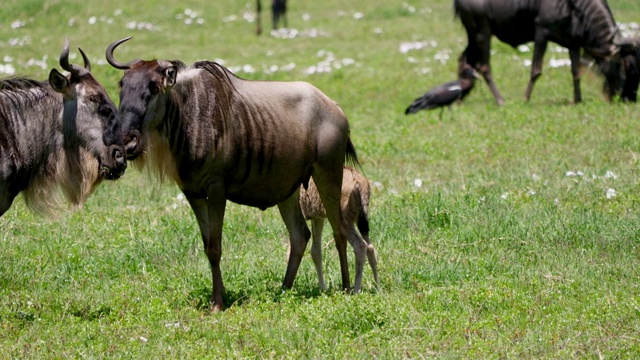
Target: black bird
446, 94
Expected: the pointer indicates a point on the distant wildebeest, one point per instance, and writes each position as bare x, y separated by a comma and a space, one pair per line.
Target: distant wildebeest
278, 11
220, 137
446, 94
64, 133
356, 192
573, 24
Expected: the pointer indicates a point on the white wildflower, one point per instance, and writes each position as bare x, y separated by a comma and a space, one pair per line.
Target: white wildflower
610, 193
7, 69
535, 177
92, 20
358, 15
523, 48
417, 182
504, 196
18, 24
610, 175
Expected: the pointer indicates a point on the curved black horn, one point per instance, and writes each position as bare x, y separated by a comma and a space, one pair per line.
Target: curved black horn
74, 69
87, 63
112, 61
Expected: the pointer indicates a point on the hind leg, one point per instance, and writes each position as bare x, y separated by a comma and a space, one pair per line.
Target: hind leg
298, 236
373, 262
329, 183
316, 249
360, 251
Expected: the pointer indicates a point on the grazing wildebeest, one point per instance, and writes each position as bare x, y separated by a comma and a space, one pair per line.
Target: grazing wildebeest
62, 133
573, 24
356, 192
445, 94
223, 138
278, 11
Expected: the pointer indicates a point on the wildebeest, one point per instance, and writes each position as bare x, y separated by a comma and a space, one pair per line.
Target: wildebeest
446, 94
573, 24
62, 133
278, 11
356, 193
220, 137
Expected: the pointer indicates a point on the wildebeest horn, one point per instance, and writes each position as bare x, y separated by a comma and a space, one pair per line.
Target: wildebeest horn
112, 61
87, 63
74, 69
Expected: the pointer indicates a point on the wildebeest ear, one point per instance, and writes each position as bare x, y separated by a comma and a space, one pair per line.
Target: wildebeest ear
170, 75
58, 82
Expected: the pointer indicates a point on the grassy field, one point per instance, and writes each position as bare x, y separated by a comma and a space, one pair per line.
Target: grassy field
507, 232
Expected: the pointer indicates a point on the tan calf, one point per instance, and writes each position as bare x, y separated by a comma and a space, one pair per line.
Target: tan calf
355, 208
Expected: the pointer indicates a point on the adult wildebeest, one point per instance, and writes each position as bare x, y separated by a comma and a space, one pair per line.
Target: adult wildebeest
445, 94
356, 192
278, 11
223, 138
63, 133
573, 24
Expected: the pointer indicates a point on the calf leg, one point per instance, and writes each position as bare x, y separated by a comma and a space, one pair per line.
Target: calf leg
363, 227
298, 235
210, 215
316, 249
360, 251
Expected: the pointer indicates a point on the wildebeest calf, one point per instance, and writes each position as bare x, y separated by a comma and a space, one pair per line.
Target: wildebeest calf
356, 192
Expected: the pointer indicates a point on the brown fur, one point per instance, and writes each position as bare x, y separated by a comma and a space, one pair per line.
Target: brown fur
354, 202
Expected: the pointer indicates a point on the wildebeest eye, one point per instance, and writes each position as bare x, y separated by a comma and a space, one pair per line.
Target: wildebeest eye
154, 88
94, 98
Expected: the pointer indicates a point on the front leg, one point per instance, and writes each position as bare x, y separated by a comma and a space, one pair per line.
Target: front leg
299, 235
210, 215
539, 48
574, 56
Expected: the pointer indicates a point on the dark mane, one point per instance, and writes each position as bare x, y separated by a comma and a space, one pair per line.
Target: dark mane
224, 88
20, 83
218, 71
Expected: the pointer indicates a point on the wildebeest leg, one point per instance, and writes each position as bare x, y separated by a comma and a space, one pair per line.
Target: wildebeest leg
574, 56
329, 183
6, 198
316, 249
363, 227
360, 252
210, 215
298, 235
483, 41
539, 48
258, 17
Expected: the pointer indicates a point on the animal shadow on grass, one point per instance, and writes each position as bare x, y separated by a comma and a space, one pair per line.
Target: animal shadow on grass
199, 298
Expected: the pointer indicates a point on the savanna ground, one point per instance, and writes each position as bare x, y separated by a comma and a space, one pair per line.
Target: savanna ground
501, 232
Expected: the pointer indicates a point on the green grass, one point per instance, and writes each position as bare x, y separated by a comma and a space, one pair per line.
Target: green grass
499, 254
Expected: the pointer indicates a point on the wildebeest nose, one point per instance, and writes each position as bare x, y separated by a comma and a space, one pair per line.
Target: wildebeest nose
118, 155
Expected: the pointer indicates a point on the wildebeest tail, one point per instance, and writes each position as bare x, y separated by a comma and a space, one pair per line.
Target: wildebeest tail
351, 157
